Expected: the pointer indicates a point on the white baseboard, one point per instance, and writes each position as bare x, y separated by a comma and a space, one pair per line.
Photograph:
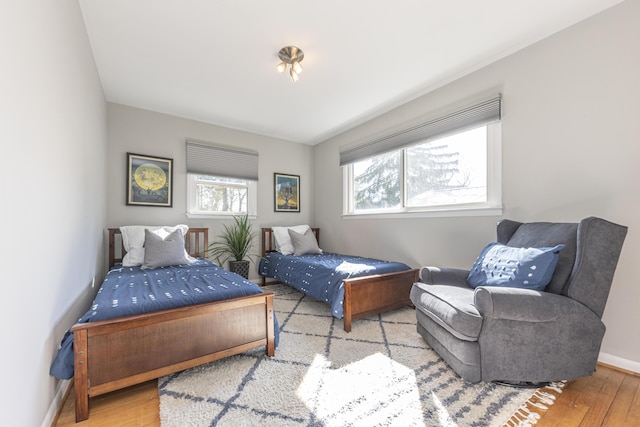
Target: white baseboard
619, 362
56, 403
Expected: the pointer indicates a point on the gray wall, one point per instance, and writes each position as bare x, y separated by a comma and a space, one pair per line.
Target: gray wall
570, 149
144, 132
52, 188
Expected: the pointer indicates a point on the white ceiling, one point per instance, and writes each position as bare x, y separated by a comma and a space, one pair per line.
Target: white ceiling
215, 61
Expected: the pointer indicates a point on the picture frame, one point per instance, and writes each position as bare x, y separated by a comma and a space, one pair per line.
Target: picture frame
149, 180
286, 192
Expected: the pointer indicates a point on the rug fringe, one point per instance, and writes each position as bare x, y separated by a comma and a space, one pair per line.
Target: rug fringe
532, 410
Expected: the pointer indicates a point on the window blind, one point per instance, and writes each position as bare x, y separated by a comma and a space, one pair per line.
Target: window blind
218, 160
473, 116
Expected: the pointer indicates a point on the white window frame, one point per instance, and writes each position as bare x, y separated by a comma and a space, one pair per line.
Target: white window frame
493, 205
192, 212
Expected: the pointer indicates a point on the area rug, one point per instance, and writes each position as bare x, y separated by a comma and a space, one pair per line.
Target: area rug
380, 374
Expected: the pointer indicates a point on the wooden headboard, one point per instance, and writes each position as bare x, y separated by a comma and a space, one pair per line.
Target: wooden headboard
269, 244
196, 242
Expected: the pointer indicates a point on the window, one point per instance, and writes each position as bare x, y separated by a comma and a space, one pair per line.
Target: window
450, 164
221, 180
376, 182
448, 171
213, 195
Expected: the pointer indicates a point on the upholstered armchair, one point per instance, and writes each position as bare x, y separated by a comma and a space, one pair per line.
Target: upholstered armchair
514, 333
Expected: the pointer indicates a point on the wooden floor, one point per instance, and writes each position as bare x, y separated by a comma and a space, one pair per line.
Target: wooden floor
608, 398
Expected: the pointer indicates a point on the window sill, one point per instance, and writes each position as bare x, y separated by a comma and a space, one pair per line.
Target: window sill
214, 216
432, 213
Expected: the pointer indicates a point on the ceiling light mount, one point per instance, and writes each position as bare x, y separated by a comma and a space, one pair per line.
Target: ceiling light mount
291, 55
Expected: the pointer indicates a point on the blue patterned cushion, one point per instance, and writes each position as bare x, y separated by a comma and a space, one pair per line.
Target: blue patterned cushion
501, 265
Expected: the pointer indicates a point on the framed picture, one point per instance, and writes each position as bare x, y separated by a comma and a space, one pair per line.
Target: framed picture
286, 192
149, 180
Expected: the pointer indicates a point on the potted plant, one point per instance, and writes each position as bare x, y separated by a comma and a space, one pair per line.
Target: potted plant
234, 246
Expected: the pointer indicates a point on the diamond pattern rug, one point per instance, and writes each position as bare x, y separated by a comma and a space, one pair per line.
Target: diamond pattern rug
380, 374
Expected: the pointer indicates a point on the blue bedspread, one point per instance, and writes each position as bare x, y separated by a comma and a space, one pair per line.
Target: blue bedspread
320, 275
132, 290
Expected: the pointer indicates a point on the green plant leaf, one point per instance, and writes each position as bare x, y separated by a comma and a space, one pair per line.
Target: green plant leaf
234, 243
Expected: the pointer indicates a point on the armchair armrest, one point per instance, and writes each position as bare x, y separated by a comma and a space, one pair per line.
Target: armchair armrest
524, 304
443, 276
535, 336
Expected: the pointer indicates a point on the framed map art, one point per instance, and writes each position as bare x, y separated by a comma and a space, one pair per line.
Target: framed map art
149, 180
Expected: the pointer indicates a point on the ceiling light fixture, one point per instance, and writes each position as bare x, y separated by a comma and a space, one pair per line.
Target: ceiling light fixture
291, 55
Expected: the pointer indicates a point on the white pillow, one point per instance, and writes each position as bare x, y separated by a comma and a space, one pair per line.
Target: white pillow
133, 241
283, 240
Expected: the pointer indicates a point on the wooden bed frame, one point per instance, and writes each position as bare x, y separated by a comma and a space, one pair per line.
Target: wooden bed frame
117, 353
365, 295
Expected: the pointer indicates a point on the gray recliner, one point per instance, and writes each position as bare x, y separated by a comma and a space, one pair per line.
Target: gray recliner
519, 335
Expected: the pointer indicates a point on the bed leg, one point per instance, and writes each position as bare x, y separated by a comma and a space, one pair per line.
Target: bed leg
270, 327
82, 406
347, 324
346, 307
80, 381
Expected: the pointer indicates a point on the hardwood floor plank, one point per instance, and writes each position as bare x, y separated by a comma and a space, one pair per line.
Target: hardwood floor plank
134, 406
622, 411
563, 414
574, 406
634, 411
600, 401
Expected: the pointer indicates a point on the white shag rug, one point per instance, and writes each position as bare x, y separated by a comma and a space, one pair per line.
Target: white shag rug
380, 374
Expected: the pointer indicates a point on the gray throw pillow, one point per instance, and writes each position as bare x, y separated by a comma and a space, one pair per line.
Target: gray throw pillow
159, 252
304, 243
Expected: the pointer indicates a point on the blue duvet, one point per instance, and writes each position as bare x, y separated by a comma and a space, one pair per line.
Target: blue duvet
132, 290
320, 275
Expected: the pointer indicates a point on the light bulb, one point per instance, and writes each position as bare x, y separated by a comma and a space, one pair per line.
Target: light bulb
297, 67
294, 75
281, 67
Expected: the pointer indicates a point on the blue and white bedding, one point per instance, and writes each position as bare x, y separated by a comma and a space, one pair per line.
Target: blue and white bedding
132, 290
320, 275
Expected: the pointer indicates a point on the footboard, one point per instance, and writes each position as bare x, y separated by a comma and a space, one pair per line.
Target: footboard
367, 295
113, 354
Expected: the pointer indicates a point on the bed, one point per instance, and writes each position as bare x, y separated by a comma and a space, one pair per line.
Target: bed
353, 292
114, 353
